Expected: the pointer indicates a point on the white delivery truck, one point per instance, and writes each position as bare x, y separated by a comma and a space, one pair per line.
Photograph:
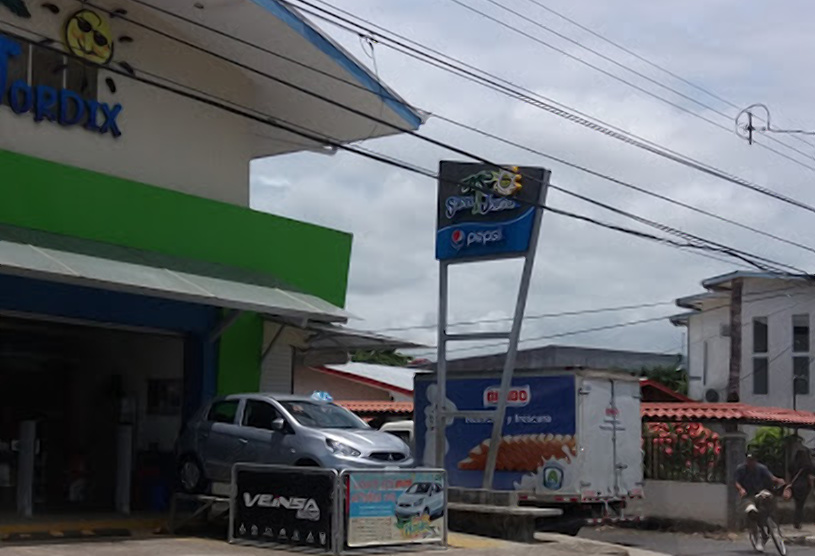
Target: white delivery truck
571, 440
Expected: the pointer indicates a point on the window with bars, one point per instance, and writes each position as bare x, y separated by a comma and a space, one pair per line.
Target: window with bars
42, 65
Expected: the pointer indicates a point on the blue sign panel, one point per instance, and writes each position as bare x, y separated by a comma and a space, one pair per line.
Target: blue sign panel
485, 212
538, 449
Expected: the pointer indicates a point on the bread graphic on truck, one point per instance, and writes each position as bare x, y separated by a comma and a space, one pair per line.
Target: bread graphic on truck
522, 452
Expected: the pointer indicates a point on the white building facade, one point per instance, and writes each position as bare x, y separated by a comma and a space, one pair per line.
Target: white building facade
772, 319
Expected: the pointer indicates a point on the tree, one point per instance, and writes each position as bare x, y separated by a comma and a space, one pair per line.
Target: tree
388, 357
674, 378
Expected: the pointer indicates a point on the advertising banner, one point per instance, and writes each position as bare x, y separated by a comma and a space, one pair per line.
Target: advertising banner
395, 507
485, 212
281, 505
538, 450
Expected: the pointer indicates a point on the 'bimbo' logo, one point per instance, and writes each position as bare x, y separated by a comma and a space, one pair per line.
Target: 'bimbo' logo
516, 397
65, 107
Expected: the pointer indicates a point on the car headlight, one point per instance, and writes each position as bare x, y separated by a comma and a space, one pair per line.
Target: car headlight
418, 502
342, 449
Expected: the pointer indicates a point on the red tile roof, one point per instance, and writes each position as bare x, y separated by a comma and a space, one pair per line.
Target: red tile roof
651, 411
368, 407
727, 412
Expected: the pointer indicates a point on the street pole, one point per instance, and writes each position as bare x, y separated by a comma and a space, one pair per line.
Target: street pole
441, 371
514, 337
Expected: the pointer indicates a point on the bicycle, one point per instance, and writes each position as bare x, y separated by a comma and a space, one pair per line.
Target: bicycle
765, 524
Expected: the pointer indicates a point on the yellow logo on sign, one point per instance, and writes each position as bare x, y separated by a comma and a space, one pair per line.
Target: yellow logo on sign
88, 36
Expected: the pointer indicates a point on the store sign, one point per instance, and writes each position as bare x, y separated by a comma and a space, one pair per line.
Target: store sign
64, 107
273, 505
485, 212
395, 507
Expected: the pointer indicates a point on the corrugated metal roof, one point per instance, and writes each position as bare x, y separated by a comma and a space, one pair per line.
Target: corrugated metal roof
727, 412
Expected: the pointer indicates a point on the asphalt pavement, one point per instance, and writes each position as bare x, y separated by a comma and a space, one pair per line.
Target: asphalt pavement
684, 544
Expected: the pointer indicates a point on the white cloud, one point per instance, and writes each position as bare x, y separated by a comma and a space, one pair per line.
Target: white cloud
391, 212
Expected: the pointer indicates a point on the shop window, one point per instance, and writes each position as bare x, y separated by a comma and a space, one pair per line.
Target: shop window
761, 379
18, 66
800, 333
40, 65
223, 412
800, 373
760, 335
47, 68
259, 415
164, 396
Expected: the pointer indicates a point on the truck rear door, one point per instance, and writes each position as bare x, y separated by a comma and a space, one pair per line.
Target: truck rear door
595, 438
628, 437
610, 441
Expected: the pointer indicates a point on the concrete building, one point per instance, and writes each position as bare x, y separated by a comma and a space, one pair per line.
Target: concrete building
555, 356
135, 280
769, 316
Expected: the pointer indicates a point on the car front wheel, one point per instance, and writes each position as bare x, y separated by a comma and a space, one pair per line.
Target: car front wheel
191, 477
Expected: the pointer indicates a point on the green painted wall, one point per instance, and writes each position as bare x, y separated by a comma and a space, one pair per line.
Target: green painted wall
239, 356
61, 199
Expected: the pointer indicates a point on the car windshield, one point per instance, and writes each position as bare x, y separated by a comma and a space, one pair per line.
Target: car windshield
419, 488
323, 415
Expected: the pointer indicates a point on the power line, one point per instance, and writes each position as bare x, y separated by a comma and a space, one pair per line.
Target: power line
617, 77
643, 59
473, 129
761, 296
291, 128
477, 75
530, 317
718, 247
623, 183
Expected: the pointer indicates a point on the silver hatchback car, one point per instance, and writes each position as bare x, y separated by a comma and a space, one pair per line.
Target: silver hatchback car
283, 430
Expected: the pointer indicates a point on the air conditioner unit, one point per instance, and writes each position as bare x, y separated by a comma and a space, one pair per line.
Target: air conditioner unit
712, 396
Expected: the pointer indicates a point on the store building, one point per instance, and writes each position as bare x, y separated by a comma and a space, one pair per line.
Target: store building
135, 281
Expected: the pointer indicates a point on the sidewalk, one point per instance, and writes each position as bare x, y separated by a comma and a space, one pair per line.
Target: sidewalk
460, 545
803, 537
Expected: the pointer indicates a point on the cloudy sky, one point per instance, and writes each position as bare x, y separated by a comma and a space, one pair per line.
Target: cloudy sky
744, 51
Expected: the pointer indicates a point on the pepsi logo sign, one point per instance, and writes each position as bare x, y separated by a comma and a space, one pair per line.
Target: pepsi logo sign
457, 239
518, 396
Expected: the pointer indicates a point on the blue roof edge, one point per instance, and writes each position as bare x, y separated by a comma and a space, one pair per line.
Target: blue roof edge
327, 47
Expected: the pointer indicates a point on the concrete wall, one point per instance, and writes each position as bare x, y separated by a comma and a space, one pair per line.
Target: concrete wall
701, 502
167, 140
708, 352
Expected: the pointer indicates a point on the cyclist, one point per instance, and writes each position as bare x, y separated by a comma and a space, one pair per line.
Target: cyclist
753, 478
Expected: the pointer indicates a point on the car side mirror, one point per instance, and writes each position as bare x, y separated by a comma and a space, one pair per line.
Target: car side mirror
278, 425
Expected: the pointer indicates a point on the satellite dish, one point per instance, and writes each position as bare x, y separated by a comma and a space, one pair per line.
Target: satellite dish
711, 396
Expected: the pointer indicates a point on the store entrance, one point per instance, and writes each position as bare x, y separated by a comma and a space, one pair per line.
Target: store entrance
86, 388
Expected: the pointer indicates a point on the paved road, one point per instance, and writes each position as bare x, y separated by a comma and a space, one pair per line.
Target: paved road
680, 544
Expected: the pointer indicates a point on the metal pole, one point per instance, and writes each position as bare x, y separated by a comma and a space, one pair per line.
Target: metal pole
27, 446
441, 371
514, 336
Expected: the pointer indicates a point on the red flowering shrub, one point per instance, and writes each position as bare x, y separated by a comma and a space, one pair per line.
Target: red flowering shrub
682, 452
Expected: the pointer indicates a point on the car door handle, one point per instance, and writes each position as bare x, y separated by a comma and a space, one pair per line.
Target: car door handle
243, 441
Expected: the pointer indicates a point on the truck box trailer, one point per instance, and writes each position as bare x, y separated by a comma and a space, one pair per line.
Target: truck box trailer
572, 439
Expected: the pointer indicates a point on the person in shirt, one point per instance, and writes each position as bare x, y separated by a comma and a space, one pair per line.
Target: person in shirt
801, 473
752, 478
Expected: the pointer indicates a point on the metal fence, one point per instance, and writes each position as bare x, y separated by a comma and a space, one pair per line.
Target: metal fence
685, 452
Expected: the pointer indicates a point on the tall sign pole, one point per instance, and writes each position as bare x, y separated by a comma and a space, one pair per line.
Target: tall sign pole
484, 213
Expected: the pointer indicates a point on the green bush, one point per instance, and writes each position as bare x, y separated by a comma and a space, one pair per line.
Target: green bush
768, 448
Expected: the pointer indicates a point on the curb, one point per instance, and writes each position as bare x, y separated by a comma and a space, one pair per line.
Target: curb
801, 540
